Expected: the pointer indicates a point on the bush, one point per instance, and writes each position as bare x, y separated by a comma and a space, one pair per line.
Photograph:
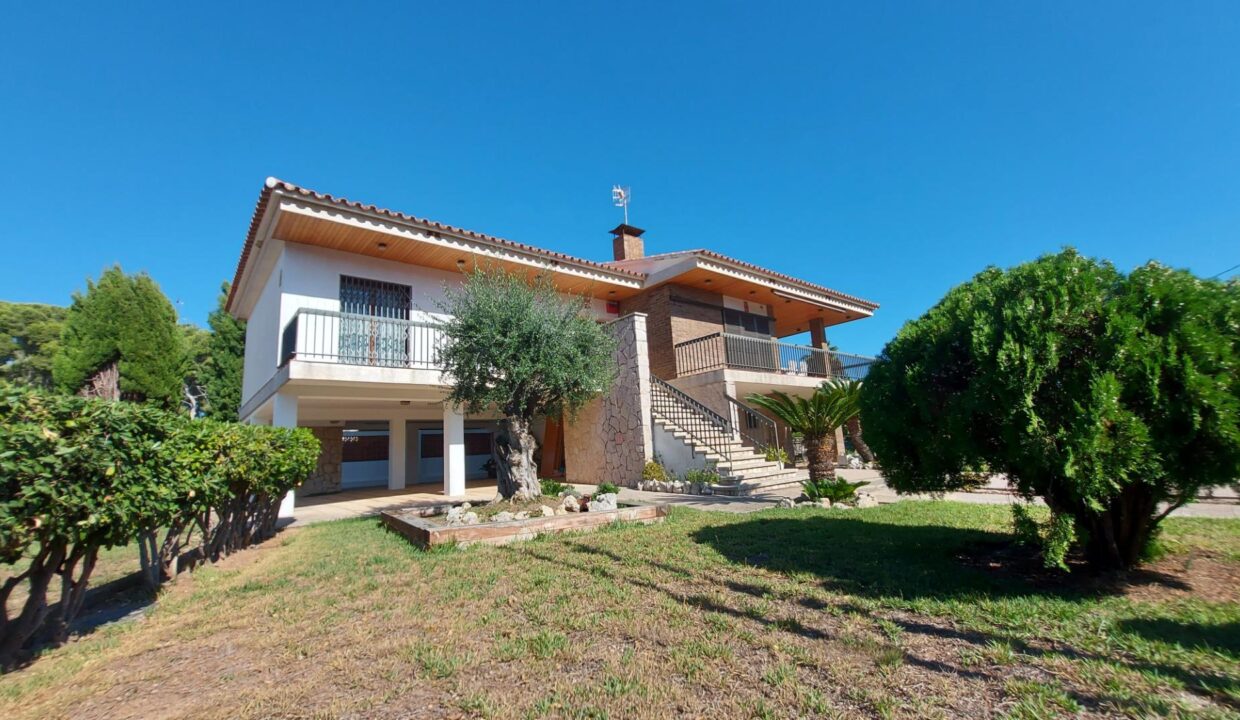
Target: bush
1115, 398
1053, 538
606, 487
552, 487
655, 471
774, 453
78, 475
705, 476
838, 490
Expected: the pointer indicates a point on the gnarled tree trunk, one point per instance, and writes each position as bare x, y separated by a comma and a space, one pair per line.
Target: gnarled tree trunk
104, 383
853, 428
514, 447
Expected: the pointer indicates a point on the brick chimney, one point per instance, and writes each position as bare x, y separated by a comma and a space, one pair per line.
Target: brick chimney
627, 243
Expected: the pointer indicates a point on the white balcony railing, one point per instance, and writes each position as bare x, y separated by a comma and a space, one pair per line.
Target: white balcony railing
349, 339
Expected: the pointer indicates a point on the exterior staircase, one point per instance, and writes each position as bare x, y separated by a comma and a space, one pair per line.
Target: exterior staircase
742, 469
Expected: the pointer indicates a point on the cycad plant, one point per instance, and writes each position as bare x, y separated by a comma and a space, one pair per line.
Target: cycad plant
851, 390
815, 417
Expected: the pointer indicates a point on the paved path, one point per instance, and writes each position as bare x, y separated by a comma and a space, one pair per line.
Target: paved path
361, 503
1224, 504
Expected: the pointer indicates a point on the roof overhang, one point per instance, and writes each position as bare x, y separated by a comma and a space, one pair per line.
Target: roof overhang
794, 303
288, 214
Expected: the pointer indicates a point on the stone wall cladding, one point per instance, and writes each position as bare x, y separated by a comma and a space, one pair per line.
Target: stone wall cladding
609, 440
325, 478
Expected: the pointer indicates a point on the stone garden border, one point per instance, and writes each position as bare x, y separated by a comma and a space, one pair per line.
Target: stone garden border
426, 534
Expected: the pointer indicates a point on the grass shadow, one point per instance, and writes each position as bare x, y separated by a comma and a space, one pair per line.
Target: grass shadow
869, 557
1217, 637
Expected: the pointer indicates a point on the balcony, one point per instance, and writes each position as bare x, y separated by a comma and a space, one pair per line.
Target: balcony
739, 352
326, 336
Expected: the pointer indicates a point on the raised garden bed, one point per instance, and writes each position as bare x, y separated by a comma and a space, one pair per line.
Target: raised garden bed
428, 531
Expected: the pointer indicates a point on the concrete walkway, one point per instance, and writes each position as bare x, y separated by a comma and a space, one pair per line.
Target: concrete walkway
372, 501
1225, 503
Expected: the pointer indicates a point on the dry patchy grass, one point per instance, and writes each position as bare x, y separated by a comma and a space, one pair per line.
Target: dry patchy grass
813, 613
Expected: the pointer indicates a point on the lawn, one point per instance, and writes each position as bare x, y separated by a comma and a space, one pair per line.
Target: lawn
918, 609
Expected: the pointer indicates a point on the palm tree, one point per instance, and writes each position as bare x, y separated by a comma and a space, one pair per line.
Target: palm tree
815, 417
851, 389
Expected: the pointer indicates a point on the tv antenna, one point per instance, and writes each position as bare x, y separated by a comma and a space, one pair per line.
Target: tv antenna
620, 198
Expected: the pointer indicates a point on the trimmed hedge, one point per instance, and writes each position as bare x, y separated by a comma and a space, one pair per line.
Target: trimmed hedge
78, 475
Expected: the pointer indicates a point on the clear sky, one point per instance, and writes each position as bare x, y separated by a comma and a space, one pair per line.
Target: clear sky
887, 150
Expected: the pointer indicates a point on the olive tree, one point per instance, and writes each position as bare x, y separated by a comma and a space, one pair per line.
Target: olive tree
518, 347
1114, 398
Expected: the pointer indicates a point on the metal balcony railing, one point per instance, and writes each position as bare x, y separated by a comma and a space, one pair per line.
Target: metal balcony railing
748, 353
351, 339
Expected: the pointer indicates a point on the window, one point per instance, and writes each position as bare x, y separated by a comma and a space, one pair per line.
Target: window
373, 327
735, 321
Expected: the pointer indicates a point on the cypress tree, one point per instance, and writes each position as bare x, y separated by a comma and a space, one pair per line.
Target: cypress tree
123, 322
226, 357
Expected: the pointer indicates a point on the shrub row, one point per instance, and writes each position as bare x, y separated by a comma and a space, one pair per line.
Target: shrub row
79, 475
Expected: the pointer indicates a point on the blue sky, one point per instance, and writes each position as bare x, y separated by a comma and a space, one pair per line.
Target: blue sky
887, 150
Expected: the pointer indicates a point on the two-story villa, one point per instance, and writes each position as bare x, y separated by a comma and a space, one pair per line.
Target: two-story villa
342, 301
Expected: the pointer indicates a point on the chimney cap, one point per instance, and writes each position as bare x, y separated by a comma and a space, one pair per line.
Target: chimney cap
624, 229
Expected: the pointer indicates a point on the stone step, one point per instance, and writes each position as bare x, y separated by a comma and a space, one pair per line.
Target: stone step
745, 461
755, 474
765, 484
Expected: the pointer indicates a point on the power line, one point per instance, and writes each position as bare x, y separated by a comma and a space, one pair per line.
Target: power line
1233, 267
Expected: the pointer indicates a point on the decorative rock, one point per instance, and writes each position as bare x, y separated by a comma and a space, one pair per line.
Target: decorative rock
523, 515
546, 511
470, 518
866, 500
465, 506
603, 502
823, 502
453, 517
570, 504
504, 516
498, 498
786, 503
561, 511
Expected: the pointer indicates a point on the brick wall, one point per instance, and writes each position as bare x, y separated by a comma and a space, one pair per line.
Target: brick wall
655, 306
669, 322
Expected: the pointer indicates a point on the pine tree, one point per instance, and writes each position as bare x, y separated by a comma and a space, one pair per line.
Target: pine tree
29, 335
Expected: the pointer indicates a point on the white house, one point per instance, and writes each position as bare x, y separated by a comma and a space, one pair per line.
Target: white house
342, 299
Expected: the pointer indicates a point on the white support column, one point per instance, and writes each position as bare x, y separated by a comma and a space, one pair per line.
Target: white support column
284, 414
397, 437
453, 451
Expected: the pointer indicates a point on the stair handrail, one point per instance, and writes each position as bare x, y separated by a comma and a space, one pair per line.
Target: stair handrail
701, 422
771, 433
